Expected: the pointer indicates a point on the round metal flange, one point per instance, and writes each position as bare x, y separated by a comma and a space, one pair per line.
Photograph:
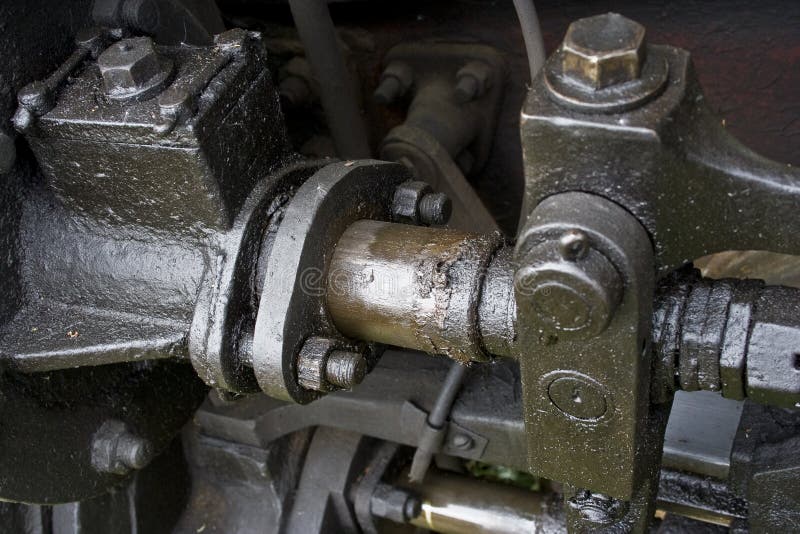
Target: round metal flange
614, 98
292, 306
227, 302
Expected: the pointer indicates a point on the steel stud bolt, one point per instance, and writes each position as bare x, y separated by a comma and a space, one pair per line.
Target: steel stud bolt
325, 364
435, 209
345, 369
395, 82
396, 504
416, 203
472, 81
117, 450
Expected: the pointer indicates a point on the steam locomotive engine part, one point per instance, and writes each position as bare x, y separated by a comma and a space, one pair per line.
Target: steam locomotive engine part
166, 244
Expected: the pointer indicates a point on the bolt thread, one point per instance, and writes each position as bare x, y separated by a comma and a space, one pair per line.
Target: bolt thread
435, 209
345, 369
134, 452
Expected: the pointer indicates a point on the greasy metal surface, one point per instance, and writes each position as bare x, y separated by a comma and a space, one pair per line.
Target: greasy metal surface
439, 129
412, 287
213, 156
700, 432
227, 302
739, 337
613, 453
498, 307
706, 499
116, 238
669, 162
50, 420
458, 504
292, 303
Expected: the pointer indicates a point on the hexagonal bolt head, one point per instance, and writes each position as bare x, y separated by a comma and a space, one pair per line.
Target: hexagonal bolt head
133, 70
118, 451
603, 50
396, 504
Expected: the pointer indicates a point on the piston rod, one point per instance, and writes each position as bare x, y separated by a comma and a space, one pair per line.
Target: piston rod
428, 289
448, 292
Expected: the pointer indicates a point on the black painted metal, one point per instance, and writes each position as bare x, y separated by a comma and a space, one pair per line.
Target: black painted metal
116, 238
738, 337
670, 162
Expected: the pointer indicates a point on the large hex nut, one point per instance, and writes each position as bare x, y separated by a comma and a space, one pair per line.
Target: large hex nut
133, 70
604, 50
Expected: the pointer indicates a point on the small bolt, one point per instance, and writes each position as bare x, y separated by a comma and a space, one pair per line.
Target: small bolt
133, 452
435, 209
472, 81
8, 153
345, 369
396, 504
462, 442
467, 89
37, 98
324, 364
574, 245
116, 450
388, 91
395, 82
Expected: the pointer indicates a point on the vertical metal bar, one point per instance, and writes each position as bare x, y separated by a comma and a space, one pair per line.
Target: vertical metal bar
338, 92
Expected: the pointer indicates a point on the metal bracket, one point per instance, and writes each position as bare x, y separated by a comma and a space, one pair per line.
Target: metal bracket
453, 439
